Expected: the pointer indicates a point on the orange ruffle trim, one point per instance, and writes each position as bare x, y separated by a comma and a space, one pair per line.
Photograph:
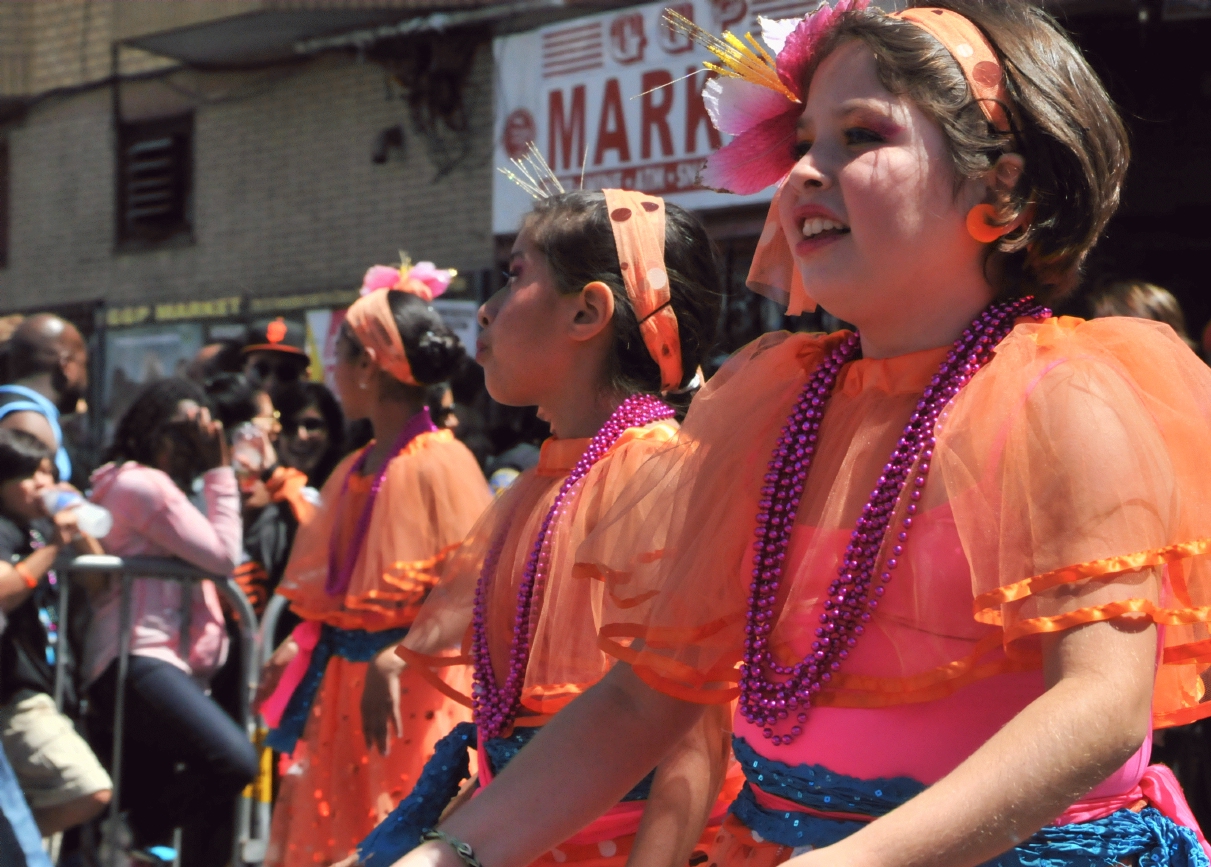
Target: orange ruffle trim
986, 605
542, 702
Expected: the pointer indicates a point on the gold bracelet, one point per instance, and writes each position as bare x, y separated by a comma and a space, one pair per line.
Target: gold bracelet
464, 852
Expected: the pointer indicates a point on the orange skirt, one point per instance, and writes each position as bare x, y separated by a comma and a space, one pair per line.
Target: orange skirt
615, 852
333, 790
736, 846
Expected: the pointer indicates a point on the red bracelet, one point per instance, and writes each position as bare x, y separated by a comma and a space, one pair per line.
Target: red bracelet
30, 581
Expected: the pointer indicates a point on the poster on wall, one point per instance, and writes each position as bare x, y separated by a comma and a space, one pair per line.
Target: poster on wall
323, 327
462, 317
136, 356
615, 100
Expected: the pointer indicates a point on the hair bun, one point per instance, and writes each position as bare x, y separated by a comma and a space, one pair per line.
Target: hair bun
438, 354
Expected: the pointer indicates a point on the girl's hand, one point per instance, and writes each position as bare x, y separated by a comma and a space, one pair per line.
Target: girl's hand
67, 527
271, 674
380, 699
351, 861
210, 440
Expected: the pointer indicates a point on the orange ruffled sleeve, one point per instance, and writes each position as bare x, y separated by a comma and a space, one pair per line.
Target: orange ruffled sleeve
674, 550
1076, 468
565, 658
432, 496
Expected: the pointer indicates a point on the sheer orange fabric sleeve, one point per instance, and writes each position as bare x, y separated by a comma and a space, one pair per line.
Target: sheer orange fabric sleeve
1075, 464
673, 553
433, 494
564, 658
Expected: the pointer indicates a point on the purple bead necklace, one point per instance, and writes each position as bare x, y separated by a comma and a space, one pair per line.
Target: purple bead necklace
495, 706
770, 692
340, 570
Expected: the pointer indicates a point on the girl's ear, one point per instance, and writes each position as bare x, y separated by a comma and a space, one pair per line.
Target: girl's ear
1006, 173
995, 185
367, 367
593, 311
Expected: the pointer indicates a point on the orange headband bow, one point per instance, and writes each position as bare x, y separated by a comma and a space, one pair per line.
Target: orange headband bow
973, 52
638, 223
372, 321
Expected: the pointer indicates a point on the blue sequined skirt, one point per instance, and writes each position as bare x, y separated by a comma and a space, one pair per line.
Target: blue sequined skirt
1147, 838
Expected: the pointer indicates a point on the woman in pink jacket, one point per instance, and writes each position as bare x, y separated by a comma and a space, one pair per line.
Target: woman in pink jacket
165, 441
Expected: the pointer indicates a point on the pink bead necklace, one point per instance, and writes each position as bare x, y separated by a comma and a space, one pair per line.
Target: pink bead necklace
770, 692
495, 706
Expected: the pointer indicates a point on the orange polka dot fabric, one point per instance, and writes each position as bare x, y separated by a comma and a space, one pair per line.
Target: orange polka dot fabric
638, 221
973, 52
333, 791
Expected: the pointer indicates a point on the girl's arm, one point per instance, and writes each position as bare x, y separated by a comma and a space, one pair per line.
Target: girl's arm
1093, 717
13, 587
575, 769
684, 792
430, 635
212, 543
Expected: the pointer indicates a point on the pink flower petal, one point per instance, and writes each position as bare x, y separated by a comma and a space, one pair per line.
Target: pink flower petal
755, 159
736, 106
379, 277
800, 47
437, 279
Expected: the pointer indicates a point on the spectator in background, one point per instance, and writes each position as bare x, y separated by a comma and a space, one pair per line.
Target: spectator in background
1141, 300
8, 324
63, 781
47, 364
312, 438
225, 356
276, 354
162, 444
275, 499
232, 400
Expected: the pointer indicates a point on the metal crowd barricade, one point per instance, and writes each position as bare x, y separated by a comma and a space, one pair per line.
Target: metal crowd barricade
251, 837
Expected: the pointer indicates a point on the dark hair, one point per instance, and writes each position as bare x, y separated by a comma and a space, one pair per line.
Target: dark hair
573, 233
1064, 125
233, 400
291, 399
21, 454
433, 349
1140, 299
139, 432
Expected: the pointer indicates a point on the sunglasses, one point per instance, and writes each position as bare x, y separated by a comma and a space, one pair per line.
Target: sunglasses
281, 371
310, 425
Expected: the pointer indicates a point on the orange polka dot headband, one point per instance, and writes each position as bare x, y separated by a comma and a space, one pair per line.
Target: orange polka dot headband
373, 324
973, 52
638, 221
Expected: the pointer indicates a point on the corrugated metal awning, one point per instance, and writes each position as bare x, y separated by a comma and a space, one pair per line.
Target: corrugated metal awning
277, 34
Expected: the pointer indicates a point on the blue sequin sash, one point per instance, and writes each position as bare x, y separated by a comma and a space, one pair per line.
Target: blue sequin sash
355, 645
1147, 838
439, 782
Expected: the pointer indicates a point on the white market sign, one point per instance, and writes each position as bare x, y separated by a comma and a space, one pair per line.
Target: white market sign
616, 99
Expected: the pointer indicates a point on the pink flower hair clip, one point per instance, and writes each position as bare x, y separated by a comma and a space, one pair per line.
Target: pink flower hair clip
757, 98
424, 279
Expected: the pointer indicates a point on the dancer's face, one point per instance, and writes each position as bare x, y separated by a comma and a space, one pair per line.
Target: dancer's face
526, 344
875, 172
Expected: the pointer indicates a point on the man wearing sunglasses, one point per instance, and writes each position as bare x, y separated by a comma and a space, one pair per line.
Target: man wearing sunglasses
276, 354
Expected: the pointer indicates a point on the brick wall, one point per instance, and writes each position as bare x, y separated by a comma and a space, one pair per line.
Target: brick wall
286, 198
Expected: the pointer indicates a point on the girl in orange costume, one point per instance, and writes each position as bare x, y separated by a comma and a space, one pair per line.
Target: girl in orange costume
954, 565
592, 344
390, 514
